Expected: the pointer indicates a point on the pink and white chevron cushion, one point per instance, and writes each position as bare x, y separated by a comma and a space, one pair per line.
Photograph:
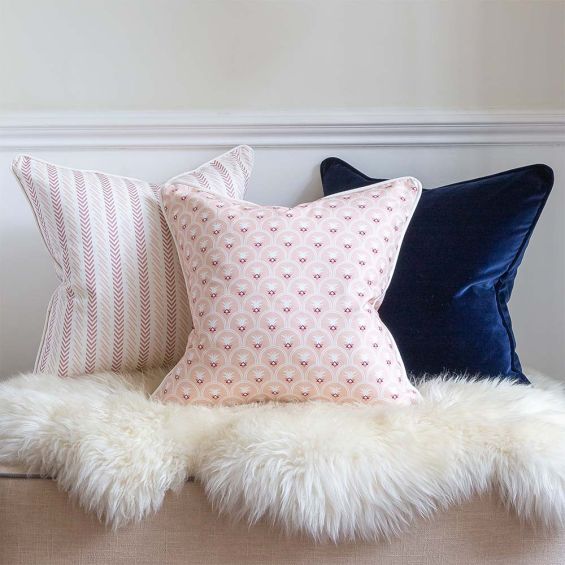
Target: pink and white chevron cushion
121, 303
285, 300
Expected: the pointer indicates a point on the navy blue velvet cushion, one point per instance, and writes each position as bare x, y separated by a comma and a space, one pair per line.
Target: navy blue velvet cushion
447, 303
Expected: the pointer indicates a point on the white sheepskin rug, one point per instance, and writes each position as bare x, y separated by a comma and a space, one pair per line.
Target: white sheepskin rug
331, 471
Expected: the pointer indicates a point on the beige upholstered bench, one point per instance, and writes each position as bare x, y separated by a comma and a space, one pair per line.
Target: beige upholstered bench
40, 525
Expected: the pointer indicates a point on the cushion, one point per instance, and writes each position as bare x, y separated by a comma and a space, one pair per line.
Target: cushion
121, 303
285, 300
447, 305
41, 526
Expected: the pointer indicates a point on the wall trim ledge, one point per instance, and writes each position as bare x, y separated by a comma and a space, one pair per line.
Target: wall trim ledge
366, 128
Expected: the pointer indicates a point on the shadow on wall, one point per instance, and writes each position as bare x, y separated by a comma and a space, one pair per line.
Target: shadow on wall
21, 285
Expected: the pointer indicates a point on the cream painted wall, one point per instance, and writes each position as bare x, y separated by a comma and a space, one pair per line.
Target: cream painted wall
453, 58
268, 55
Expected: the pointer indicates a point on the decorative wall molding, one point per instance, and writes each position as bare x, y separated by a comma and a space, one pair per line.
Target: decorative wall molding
172, 130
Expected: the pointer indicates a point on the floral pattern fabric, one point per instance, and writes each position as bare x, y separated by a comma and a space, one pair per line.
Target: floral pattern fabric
285, 301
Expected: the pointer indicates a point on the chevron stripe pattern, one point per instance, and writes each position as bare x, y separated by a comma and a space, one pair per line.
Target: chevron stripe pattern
121, 303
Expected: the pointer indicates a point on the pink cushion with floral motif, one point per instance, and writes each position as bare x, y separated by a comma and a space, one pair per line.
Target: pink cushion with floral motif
285, 300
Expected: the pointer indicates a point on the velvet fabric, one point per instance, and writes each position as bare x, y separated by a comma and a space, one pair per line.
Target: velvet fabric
447, 304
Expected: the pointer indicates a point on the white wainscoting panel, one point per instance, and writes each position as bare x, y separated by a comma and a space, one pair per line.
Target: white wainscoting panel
436, 148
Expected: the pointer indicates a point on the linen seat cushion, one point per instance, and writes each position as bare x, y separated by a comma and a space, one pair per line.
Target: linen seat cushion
447, 304
44, 527
121, 303
285, 300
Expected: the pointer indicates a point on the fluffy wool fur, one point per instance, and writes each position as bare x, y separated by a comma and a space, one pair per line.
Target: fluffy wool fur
330, 471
